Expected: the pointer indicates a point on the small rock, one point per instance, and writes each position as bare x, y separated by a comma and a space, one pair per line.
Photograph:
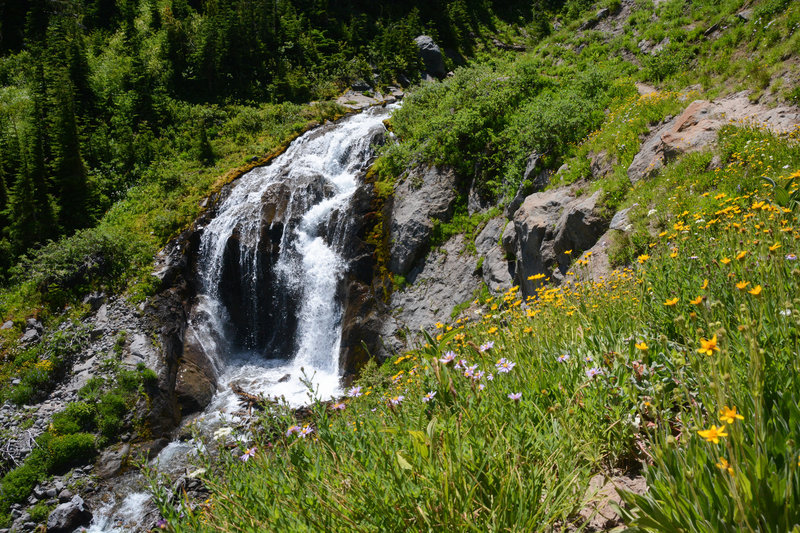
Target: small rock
8, 324
620, 220
65, 496
50, 493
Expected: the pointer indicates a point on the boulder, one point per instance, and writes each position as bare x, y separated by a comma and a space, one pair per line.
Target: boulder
111, 462
546, 226
496, 270
431, 56
69, 516
696, 129
601, 164
620, 220
426, 194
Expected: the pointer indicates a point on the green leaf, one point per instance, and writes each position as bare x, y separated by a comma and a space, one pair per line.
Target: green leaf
403, 462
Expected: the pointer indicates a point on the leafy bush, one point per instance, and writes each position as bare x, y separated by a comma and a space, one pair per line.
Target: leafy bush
110, 412
70, 450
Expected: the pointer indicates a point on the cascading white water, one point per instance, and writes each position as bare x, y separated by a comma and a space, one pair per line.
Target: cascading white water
269, 312
274, 235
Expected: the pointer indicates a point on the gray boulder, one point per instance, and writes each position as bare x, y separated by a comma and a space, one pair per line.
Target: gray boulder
546, 226
431, 57
496, 270
67, 517
426, 194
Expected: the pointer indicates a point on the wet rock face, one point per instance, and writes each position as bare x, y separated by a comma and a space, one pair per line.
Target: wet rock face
267, 317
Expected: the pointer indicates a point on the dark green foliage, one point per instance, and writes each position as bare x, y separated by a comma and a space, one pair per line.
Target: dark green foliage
77, 417
110, 411
486, 122
70, 450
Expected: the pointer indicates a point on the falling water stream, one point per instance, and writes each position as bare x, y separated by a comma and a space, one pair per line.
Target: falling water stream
271, 268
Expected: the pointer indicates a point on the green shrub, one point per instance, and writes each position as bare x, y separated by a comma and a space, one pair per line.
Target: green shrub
70, 450
78, 416
18, 483
40, 511
110, 412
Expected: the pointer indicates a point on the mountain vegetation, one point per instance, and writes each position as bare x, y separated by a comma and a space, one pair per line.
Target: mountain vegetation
679, 366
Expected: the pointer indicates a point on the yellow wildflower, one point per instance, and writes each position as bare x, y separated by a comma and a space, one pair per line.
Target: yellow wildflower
741, 255
697, 301
729, 414
774, 247
725, 261
708, 347
713, 434
723, 464
704, 286
755, 291
742, 285
670, 303
641, 345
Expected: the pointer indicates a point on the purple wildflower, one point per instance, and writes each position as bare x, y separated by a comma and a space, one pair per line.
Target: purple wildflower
490, 377
354, 392
562, 358
477, 376
448, 357
161, 524
338, 406
486, 347
481, 386
504, 365
395, 400
791, 257
307, 430
248, 453
462, 363
428, 397
470, 371
588, 359
515, 396
293, 429
594, 371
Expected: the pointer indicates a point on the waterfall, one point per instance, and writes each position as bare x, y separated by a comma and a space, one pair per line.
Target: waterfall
271, 265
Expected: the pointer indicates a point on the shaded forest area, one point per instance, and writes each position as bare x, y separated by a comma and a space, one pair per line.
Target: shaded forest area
92, 92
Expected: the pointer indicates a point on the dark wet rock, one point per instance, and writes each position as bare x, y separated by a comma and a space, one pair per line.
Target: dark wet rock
69, 516
196, 381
